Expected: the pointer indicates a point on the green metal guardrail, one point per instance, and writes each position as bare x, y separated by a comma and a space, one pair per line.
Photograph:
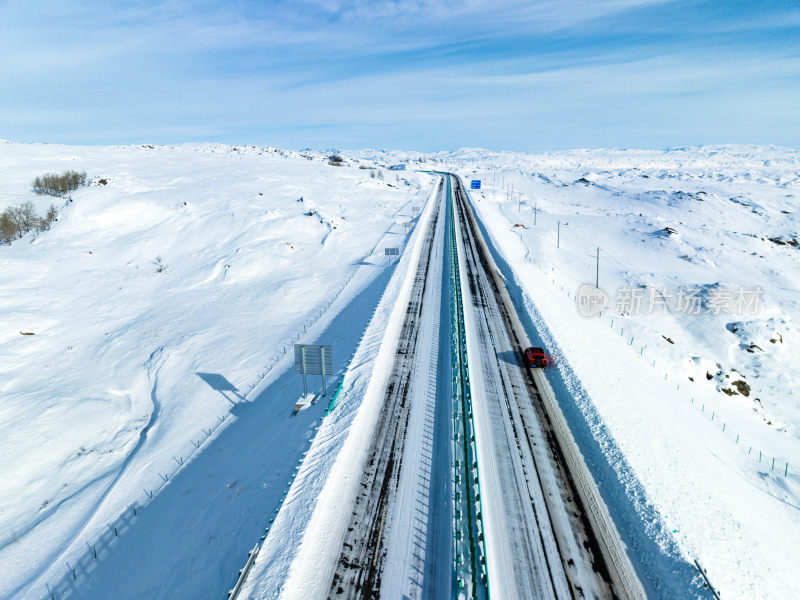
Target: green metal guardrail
335, 397
469, 553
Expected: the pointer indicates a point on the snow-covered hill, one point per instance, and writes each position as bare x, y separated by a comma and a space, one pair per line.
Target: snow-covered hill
155, 303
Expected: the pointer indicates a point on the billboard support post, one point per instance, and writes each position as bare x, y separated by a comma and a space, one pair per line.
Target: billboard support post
303, 352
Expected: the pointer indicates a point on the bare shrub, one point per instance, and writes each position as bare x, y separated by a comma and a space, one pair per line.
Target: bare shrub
49, 217
23, 216
8, 229
16, 221
53, 184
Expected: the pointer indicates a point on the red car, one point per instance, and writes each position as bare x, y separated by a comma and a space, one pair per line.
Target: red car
535, 357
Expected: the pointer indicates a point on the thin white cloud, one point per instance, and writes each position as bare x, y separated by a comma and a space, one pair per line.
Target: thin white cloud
358, 68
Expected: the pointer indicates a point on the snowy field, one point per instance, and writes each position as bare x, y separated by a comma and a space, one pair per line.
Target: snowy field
157, 304
687, 377
161, 300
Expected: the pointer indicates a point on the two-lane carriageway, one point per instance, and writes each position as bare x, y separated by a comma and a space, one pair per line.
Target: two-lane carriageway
469, 490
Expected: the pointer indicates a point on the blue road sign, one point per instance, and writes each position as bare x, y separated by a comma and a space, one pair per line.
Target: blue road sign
476, 184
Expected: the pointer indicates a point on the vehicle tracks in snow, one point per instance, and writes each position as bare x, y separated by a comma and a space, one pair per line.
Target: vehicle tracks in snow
539, 538
359, 570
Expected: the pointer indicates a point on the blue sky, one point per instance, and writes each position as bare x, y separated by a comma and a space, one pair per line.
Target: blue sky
411, 74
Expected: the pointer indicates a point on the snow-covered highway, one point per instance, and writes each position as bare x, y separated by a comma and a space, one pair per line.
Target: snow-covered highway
459, 487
